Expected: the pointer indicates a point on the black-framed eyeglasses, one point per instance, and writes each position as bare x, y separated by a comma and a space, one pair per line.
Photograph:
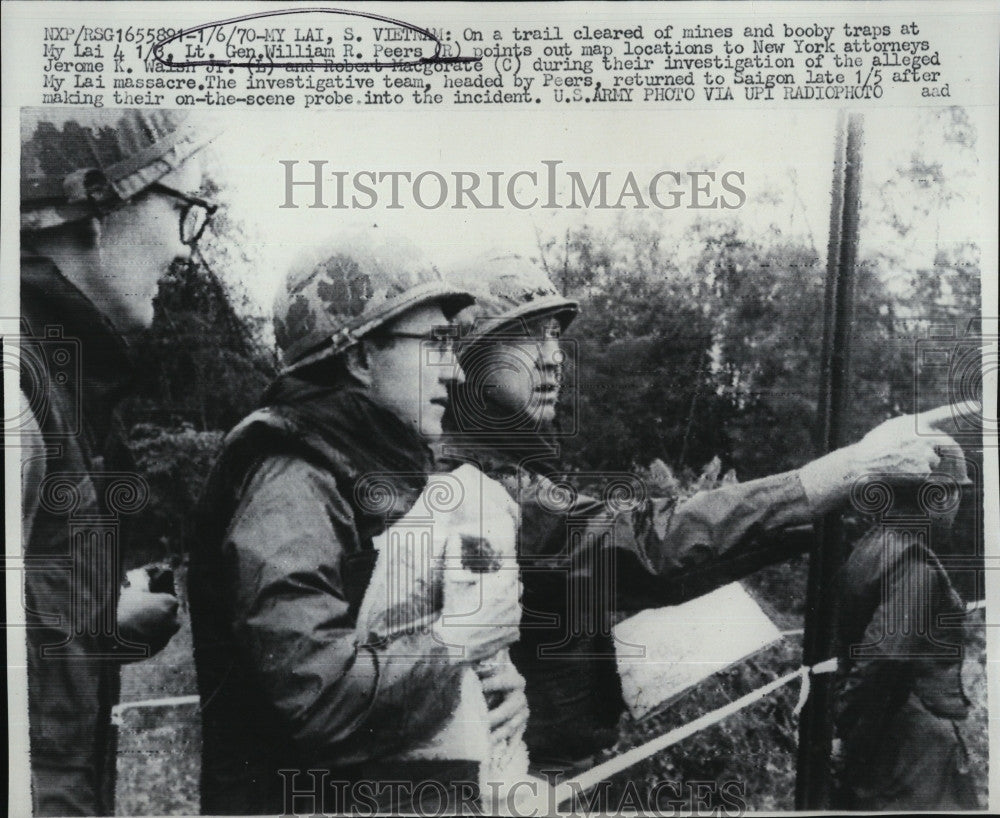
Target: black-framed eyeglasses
195, 215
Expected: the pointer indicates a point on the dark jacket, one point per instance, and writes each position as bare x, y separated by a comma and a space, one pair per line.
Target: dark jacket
74, 367
585, 559
276, 579
900, 680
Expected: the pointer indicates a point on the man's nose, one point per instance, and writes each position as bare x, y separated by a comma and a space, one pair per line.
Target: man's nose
550, 354
183, 252
451, 370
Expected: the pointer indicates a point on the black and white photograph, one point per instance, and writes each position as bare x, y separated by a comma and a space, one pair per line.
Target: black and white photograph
513, 409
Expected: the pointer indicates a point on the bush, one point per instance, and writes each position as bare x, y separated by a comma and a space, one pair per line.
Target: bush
175, 463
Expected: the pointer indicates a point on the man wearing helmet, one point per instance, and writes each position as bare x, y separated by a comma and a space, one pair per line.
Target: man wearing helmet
104, 211
654, 554
291, 680
900, 699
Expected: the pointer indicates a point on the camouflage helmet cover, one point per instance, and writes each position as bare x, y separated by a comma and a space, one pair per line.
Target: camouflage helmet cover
508, 288
73, 157
337, 294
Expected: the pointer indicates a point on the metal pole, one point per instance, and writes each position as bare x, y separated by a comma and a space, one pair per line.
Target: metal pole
812, 786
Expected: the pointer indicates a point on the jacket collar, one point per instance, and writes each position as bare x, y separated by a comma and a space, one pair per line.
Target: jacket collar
380, 465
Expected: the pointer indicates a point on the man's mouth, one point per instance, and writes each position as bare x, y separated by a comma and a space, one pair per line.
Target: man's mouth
442, 402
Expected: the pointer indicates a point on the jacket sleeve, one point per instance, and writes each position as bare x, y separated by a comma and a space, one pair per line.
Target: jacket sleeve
291, 616
662, 553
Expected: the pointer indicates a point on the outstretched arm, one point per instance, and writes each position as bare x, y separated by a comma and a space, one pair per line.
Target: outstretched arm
664, 552
721, 535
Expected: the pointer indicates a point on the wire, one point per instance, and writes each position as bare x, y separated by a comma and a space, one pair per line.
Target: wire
574, 786
173, 701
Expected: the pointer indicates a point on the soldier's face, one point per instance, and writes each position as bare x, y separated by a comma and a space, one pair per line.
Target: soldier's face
137, 245
411, 371
521, 379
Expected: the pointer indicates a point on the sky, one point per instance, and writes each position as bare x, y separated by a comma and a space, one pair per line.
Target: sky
786, 158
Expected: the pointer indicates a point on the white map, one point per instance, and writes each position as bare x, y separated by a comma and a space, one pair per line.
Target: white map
687, 643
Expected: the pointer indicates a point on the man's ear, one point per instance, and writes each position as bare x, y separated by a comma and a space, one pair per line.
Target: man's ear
357, 361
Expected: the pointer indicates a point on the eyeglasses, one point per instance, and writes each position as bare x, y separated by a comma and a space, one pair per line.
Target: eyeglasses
195, 215
443, 342
550, 332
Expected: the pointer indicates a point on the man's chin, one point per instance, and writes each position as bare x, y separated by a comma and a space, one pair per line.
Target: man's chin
430, 432
430, 422
543, 413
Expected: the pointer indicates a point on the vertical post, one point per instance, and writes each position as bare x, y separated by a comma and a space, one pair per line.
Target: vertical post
813, 782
